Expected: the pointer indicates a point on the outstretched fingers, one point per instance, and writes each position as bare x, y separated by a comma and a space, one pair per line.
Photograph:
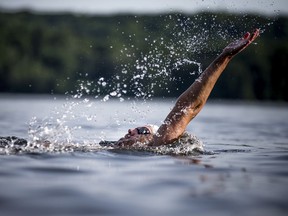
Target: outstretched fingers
253, 36
237, 46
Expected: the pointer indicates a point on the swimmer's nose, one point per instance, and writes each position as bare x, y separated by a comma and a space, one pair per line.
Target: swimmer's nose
132, 132
129, 134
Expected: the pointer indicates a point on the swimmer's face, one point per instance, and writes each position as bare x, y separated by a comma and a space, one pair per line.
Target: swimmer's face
142, 135
137, 131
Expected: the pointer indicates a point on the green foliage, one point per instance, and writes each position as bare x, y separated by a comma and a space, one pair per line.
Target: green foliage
50, 53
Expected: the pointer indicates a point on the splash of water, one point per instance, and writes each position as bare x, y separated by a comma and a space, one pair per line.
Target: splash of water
188, 37
186, 145
56, 129
164, 56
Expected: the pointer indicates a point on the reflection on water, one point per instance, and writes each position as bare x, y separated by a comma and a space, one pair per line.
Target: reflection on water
243, 170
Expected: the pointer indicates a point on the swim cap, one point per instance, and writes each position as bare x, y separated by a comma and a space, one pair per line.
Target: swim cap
153, 128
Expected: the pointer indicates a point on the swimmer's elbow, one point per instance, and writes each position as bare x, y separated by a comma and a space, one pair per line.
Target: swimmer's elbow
194, 109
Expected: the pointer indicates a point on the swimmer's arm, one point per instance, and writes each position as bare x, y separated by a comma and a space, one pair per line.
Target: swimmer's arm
193, 99
190, 103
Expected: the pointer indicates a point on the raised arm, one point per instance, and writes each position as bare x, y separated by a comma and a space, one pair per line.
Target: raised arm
193, 99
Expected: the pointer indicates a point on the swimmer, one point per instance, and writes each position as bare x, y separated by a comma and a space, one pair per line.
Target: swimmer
189, 103
187, 106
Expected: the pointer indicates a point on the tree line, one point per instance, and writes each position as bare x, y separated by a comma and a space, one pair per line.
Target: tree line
140, 56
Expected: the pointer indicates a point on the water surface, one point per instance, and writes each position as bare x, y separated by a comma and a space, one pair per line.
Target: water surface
244, 171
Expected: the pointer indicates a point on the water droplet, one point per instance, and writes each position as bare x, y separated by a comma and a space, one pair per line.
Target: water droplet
114, 93
106, 98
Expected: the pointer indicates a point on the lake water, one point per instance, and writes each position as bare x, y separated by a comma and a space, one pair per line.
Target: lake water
243, 172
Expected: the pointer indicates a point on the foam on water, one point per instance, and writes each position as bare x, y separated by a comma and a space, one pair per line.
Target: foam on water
187, 144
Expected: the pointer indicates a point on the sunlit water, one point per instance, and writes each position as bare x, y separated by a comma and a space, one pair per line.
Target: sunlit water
243, 172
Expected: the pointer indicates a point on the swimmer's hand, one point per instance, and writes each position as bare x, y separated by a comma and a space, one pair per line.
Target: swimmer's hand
139, 139
237, 46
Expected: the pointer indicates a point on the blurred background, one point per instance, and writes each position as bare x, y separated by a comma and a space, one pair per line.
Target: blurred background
141, 49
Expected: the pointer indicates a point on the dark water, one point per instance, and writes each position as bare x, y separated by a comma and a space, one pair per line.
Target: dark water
243, 173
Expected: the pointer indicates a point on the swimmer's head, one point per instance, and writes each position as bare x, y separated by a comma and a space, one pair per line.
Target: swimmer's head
146, 129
